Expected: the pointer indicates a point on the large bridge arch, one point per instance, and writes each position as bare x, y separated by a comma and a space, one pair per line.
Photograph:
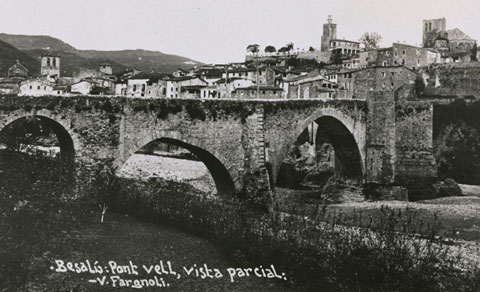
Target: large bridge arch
356, 127
215, 162
61, 125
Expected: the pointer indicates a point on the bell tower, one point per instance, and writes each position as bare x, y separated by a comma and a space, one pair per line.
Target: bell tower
50, 65
329, 33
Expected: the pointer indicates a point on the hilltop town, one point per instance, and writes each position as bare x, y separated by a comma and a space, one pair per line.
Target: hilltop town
339, 68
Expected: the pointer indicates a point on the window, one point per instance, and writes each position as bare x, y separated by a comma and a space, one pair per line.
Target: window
403, 61
38, 87
404, 52
384, 74
134, 87
30, 87
418, 61
384, 64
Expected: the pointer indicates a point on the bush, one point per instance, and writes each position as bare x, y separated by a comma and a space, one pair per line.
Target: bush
34, 210
383, 257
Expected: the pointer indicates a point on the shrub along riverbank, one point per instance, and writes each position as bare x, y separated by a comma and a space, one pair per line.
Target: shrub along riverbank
315, 255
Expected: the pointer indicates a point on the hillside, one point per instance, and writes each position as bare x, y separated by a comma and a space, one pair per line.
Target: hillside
32, 42
142, 59
72, 58
71, 62
9, 55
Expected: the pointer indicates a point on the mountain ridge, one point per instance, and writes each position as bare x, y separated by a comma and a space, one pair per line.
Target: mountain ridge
74, 59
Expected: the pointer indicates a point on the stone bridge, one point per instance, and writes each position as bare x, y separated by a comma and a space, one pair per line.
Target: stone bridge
379, 141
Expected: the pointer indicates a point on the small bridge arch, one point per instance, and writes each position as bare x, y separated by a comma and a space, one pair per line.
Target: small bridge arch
61, 125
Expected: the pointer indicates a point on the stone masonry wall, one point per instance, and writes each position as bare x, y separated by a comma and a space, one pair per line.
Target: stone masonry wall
414, 141
455, 79
285, 121
92, 123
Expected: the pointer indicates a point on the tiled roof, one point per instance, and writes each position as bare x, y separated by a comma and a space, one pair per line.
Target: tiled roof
456, 34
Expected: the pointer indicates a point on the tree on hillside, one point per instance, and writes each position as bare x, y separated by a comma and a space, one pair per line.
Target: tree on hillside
253, 48
371, 40
270, 49
311, 49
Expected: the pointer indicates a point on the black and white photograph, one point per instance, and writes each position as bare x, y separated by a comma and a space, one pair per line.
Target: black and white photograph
240, 145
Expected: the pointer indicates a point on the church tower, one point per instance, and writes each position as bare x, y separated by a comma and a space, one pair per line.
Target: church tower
329, 33
50, 65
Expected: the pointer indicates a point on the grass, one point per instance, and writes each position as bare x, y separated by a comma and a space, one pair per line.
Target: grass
315, 252
122, 238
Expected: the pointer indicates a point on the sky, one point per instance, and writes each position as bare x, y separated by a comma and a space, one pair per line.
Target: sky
218, 31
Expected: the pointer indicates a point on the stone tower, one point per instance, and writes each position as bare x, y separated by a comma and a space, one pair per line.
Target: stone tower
329, 33
432, 29
106, 68
50, 65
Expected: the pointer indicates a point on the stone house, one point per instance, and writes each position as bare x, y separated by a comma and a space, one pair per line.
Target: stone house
173, 85
358, 84
10, 85
225, 87
17, 70
344, 47
406, 55
137, 87
311, 86
82, 87
260, 92
209, 92
39, 87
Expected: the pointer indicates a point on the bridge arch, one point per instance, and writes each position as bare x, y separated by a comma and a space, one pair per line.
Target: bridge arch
59, 124
345, 130
215, 163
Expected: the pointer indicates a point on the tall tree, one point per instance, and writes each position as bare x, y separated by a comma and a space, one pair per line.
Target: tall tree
474, 52
253, 48
371, 40
270, 49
